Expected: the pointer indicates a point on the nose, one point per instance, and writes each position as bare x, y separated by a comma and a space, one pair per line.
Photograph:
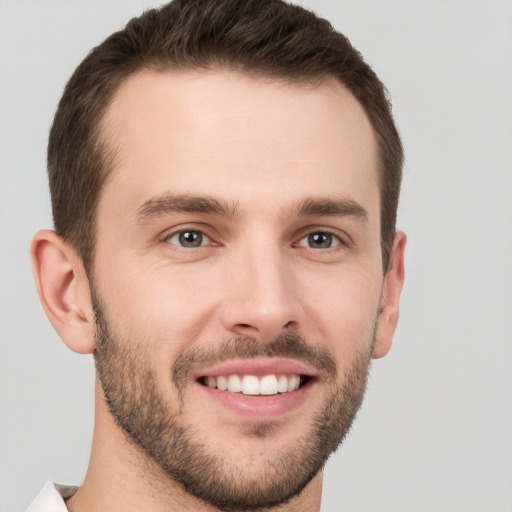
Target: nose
260, 299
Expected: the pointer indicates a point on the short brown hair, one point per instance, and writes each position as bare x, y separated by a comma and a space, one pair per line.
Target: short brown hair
268, 38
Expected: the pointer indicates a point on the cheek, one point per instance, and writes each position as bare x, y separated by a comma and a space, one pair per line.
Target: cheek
164, 306
344, 312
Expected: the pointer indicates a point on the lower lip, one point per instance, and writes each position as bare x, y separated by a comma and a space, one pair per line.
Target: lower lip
259, 406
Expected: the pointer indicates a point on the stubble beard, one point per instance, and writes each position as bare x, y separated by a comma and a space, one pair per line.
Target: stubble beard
151, 422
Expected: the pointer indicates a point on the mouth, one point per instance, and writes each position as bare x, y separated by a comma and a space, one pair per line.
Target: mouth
247, 384
258, 388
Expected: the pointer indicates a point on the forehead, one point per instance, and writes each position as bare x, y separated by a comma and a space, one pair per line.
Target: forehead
240, 138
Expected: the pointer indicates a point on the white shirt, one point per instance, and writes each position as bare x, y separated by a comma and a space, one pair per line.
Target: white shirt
51, 498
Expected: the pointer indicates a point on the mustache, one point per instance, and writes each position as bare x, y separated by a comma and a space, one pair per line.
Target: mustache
290, 345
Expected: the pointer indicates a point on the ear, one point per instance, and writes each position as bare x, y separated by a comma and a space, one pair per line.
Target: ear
390, 301
63, 289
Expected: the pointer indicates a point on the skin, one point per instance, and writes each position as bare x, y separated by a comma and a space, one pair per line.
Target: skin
262, 148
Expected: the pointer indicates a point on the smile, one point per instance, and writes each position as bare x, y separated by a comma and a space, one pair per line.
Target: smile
271, 384
259, 388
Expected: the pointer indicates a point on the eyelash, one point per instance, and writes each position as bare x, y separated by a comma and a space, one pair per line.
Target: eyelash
183, 233
333, 240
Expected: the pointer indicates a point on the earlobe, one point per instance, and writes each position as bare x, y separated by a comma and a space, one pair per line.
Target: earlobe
63, 290
390, 301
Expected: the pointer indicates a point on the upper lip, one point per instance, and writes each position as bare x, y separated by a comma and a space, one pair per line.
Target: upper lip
258, 367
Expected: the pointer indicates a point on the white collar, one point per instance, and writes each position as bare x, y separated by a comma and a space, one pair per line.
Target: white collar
51, 498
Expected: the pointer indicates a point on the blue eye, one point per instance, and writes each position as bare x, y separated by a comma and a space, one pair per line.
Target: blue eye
320, 240
189, 238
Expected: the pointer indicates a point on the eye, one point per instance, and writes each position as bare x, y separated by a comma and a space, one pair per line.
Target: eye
320, 240
189, 239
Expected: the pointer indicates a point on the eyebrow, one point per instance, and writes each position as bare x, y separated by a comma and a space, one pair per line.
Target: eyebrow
308, 207
171, 203
330, 207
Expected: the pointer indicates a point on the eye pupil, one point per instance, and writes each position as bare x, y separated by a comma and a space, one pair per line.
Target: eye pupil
320, 240
191, 238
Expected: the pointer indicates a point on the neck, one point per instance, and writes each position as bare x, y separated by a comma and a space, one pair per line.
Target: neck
121, 478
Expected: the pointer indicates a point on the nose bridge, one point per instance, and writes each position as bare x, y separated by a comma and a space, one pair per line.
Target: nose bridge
261, 300
270, 280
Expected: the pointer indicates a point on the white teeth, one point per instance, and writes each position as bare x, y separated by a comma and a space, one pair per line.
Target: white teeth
234, 384
282, 384
252, 385
268, 385
222, 383
293, 383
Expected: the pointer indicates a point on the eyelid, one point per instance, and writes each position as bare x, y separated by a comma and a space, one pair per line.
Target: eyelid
342, 238
204, 241
177, 230
337, 241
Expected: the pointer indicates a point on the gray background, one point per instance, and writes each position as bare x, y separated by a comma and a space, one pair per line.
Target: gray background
435, 432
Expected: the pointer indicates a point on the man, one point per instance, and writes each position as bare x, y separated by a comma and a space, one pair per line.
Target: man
225, 177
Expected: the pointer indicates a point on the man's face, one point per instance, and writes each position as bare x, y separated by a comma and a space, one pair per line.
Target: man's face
238, 247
